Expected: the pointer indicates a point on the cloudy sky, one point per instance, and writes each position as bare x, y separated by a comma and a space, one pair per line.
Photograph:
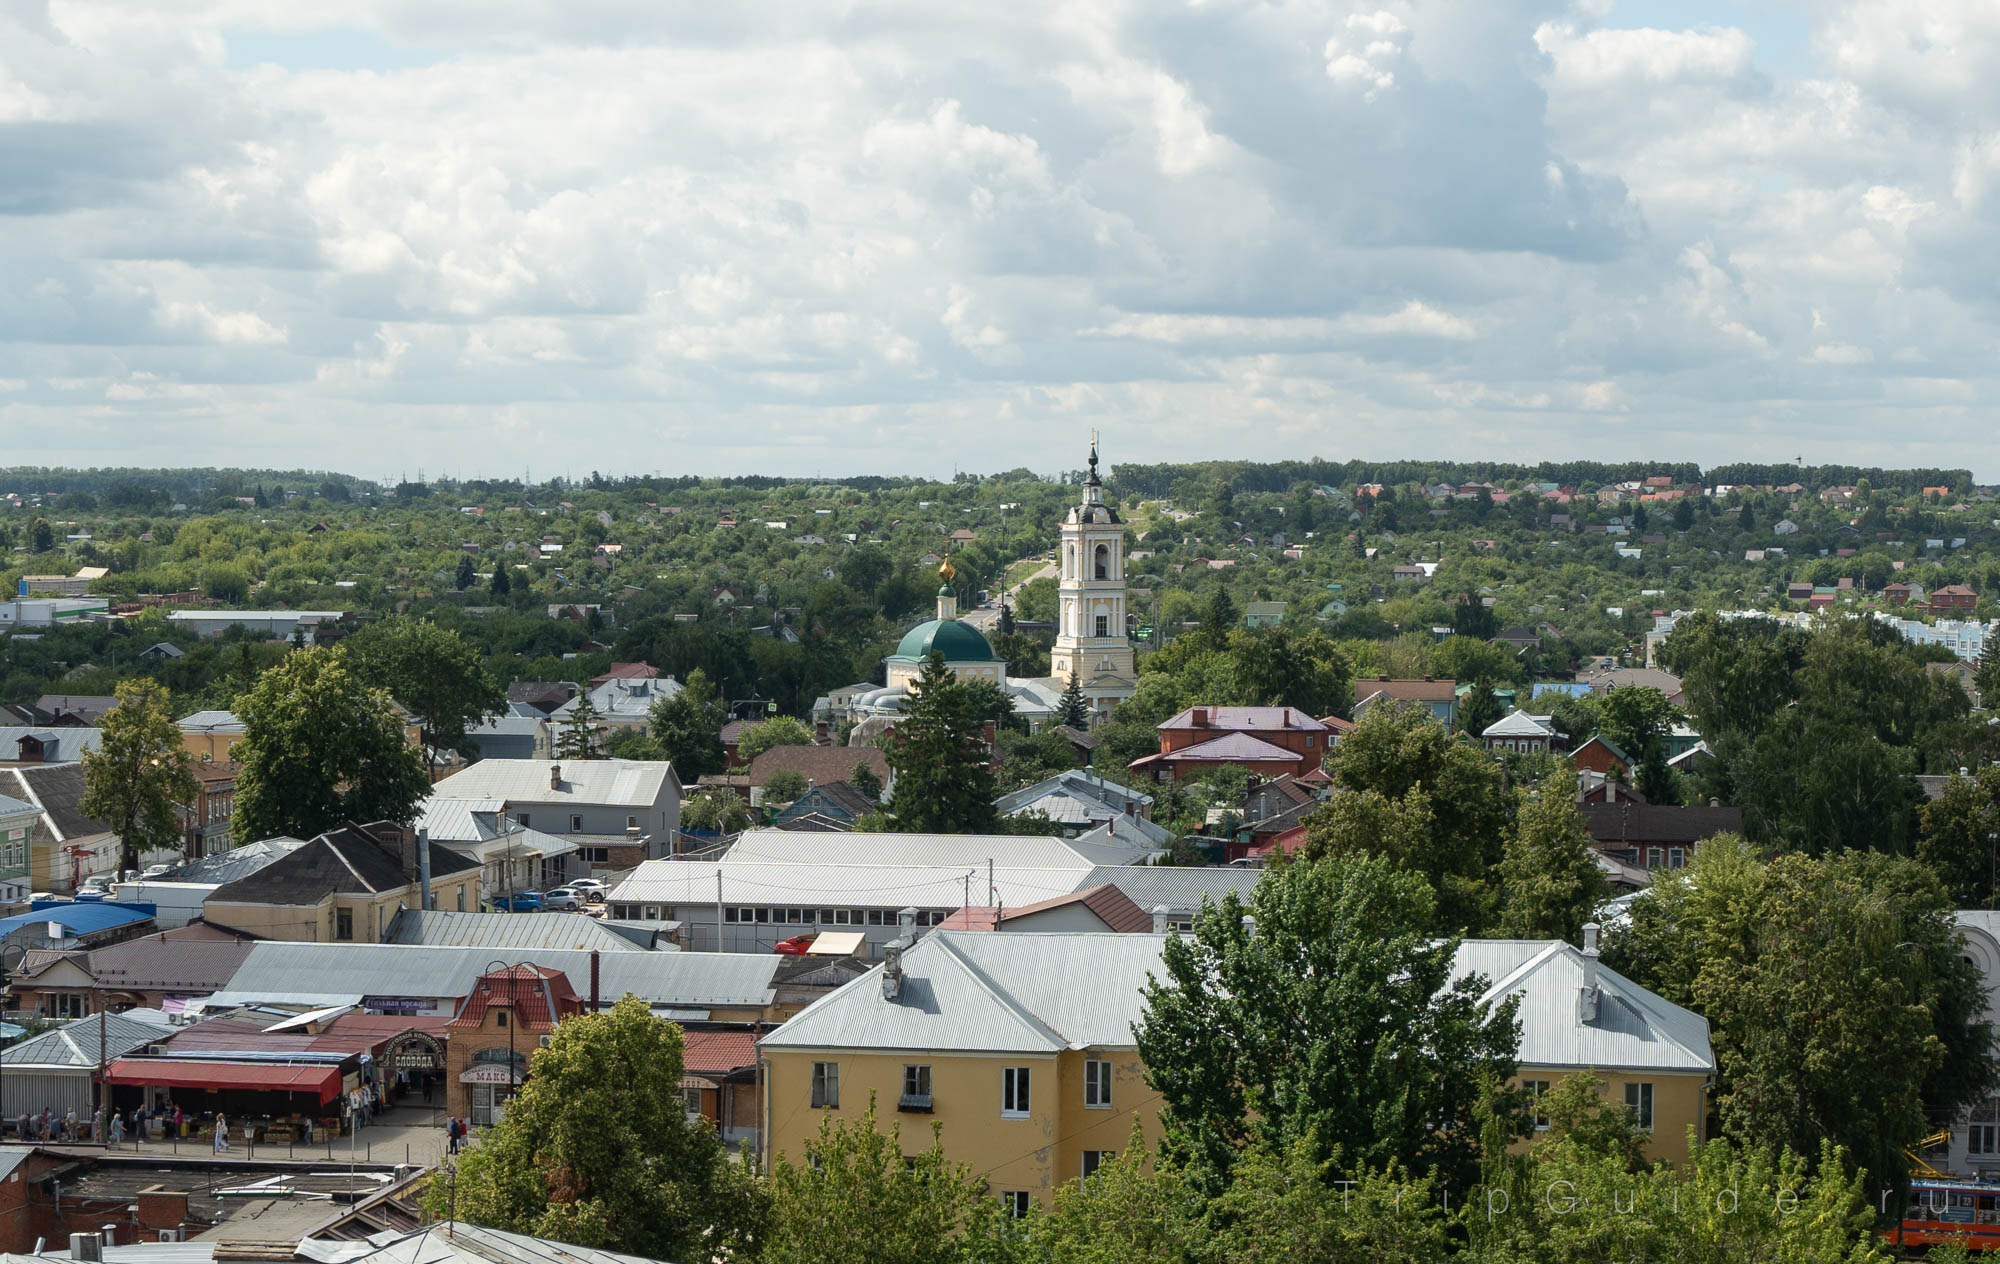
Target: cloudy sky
816, 236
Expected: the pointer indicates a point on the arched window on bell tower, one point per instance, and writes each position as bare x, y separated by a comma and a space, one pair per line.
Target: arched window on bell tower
1104, 561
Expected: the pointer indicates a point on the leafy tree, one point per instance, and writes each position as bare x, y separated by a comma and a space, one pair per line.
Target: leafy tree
141, 773
688, 727
863, 778
1636, 718
41, 536
944, 780
434, 672
855, 1185
1987, 679
320, 748
1473, 618
1480, 710
1549, 879
1960, 837
465, 576
1463, 658
779, 730
1218, 619
1450, 808
1840, 1008
580, 738
1281, 667
500, 585
785, 786
1683, 514
597, 1150
716, 810
1334, 1023
1074, 709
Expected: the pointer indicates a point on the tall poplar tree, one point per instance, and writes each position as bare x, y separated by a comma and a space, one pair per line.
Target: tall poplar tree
140, 775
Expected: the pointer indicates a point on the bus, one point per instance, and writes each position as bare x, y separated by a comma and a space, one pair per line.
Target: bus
1965, 1212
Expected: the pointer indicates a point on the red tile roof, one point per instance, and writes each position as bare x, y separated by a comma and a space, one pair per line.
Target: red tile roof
540, 998
1113, 907
1245, 720
1235, 748
720, 1052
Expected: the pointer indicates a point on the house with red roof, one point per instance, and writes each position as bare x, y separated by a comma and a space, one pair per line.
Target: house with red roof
494, 1036
1269, 741
1098, 909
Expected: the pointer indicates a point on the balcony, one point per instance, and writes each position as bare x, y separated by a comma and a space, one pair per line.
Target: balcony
914, 1103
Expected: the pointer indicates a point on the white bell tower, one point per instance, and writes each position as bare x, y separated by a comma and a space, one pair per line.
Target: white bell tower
1090, 631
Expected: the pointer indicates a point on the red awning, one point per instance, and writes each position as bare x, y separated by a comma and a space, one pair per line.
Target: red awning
322, 1081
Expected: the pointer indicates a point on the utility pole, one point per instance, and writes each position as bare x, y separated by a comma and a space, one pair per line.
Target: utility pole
718, 907
101, 1132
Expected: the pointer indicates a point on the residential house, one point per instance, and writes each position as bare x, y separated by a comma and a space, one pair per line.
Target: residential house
625, 671
1078, 799
345, 886
511, 856
539, 697
211, 735
838, 804
1439, 697
1964, 673
1654, 835
512, 737
1019, 1045
526, 933
1599, 754
65, 846
819, 765
623, 702
1266, 740
1903, 594
1952, 597
1264, 614
1519, 731
1606, 675
1518, 639
720, 1083
617, 811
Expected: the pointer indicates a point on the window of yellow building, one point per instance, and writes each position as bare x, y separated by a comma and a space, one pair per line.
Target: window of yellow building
916, 1088
1536, 1090
826, 1084
1014, 1092
1639, 1101
1094, 1159
1097, 1084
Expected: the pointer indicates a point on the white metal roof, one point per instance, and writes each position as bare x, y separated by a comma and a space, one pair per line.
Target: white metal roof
1518, 723
966, 991
1635, 1029
785, 867
328, 972
627, 782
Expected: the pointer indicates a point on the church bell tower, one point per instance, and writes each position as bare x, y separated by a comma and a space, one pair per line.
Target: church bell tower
1091, 642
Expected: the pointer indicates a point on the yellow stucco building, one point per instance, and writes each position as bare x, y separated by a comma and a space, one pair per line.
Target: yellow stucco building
345, 886
1576, 1016
1020, 1045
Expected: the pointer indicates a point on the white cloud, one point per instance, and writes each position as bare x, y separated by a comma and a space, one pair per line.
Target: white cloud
904, 236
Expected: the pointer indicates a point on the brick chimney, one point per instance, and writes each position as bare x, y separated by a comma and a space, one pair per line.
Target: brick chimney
555, 776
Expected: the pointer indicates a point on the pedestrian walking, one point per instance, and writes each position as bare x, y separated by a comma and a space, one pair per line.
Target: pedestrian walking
307, 1124
221, 1133
451, 1136
117, 1129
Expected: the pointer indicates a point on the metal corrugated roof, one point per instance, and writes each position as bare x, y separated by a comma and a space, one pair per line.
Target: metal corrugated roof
443, 928
1180, 888
75, 1044
621, 781
705, 979
1019, 992
876, 870
10, 806
1635, 1029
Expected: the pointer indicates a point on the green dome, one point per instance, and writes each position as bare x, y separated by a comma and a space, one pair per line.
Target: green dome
958, 642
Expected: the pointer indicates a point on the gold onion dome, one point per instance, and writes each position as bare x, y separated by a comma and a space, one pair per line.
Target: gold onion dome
947, 571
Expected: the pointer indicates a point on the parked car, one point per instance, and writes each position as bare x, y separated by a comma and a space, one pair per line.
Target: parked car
562, 900
586, 884
797, 945
519, 902
92, 895
154, 871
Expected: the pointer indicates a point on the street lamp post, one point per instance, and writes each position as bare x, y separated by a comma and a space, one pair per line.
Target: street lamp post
513, 1016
